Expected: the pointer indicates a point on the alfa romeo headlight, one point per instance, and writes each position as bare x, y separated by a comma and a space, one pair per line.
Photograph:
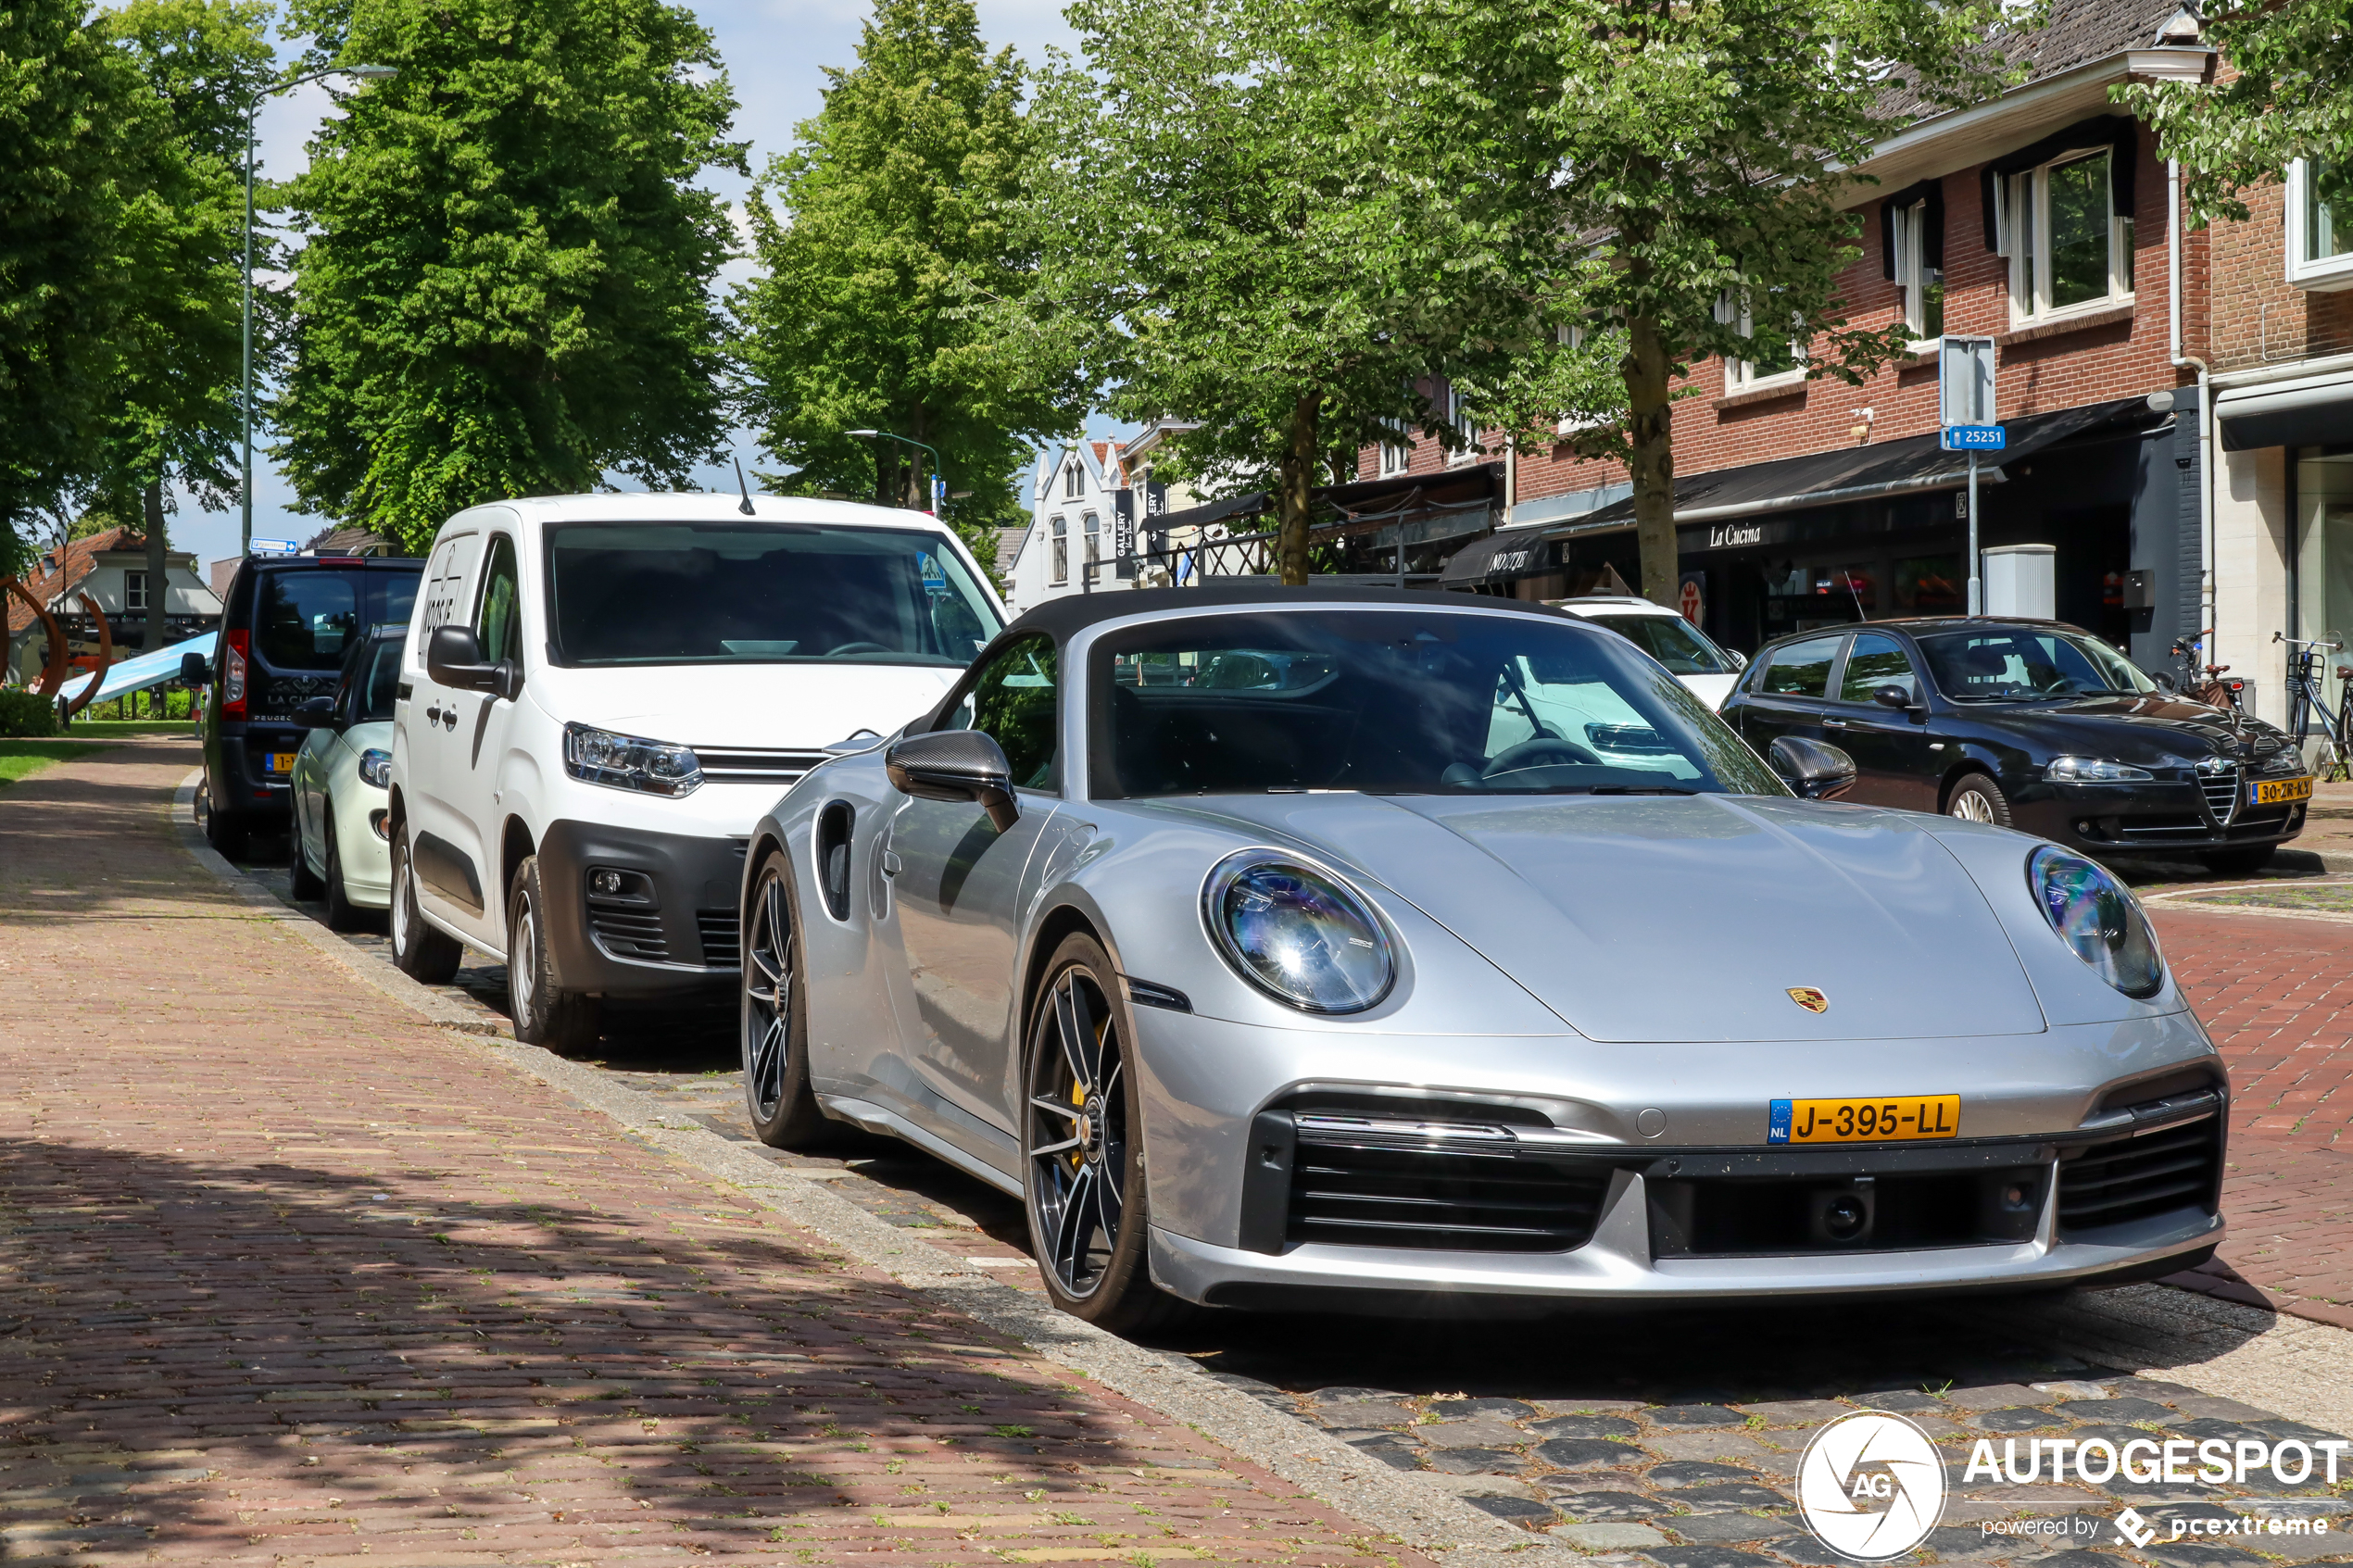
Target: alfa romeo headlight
2091, 770
375, 768
1298, 933
630, 762
2099, 917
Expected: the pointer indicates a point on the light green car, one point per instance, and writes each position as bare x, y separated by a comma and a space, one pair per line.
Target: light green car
340, 780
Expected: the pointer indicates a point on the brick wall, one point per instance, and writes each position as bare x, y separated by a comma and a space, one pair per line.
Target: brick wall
2259, 316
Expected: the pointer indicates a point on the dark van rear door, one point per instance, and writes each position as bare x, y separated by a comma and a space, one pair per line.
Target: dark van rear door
301, 618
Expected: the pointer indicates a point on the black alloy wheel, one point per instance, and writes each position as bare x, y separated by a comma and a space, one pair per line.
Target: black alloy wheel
1082, 1149
423, 954
777, 1094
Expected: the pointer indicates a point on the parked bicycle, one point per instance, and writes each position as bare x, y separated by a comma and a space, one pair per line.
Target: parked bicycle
2305, 699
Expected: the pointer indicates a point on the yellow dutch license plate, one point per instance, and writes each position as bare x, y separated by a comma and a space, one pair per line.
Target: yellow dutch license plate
1890, 1118
2279, 792
282, 761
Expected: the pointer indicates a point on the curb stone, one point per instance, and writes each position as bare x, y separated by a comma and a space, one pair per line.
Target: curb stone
1363, 1488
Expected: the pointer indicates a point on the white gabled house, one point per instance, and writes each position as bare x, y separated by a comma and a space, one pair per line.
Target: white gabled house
1092, 502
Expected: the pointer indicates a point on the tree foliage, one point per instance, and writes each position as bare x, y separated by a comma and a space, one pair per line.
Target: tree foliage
882, 239
504, 288
2286, 99
1233, 217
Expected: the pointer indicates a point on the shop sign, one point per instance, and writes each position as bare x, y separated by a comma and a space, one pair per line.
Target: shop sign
1692, 599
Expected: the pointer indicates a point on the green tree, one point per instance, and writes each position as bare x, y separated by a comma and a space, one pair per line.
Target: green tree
505, 287
2287, 100
1685, 164
1238, 220
171, 407
883, 239
72, 109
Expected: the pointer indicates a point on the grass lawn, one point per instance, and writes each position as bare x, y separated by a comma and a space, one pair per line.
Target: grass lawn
109, 729
18, 757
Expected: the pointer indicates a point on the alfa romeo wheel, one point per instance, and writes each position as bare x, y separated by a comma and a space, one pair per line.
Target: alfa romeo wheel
1083, 1148
419, 952
777, 1094
1978, 798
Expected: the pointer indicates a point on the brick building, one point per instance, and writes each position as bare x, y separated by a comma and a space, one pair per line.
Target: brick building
2043, 218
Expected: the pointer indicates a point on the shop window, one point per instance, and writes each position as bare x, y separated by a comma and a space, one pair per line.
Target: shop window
1928, 586
2325, 556
1921, 282
1744, 375
2068, 251
2319, 247
1802, 668
1058, 558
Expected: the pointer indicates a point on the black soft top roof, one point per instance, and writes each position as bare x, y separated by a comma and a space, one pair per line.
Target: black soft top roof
1064, 618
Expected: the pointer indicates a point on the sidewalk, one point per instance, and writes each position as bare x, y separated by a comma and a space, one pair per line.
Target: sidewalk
292, 1278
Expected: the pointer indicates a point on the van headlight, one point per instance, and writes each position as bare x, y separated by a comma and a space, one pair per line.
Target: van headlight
655, 767
375, 768
2099, 917
1297, 933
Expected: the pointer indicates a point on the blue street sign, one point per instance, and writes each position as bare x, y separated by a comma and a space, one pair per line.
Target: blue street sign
276, 547
1975, 438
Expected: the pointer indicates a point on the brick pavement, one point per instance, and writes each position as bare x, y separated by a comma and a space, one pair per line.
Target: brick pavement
279, 1293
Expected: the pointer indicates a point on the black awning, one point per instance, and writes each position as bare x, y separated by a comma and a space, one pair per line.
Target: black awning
2311, 416
1211, 512
1515, 552
1861, 473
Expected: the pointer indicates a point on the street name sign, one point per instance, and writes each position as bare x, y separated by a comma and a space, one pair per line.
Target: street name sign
1975, 438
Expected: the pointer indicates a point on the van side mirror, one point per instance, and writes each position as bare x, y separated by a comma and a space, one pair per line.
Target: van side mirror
454, 658
194, 671
1812, 770
955, 765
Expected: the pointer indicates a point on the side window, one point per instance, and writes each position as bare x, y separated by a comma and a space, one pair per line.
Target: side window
1802, 668
1877, 660
1012, 701
498, 620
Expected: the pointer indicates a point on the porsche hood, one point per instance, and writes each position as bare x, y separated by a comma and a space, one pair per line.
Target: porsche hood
1655, 919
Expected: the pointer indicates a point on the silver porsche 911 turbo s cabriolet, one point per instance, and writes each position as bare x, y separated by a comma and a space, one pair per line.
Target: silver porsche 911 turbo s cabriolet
1281, 947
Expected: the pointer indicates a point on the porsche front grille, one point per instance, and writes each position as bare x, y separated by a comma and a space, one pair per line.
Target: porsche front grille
1359, 1197
2134, 1178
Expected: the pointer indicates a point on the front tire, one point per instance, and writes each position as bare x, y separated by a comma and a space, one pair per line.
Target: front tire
424, 955
302, 882
1083, 1148
774, 1028
342, 913
545, 1013
1977, 798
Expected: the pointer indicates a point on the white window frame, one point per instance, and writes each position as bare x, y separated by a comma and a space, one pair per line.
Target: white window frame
1057, 552
2030, 255
1740, 375
1572, 337
134, 591
1458, 415
1090, 529
1397, 455
1073, 481
1911, 268
2316, 272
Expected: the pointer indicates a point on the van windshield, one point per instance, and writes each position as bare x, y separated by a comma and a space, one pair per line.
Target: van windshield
784, 593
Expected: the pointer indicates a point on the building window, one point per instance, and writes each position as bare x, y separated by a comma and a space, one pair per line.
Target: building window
134, 590
1742, 375
2068, 251
1397, 453
1458, 418
2320, 248
1092, 527
1071, 479
1923, 285
1058, 558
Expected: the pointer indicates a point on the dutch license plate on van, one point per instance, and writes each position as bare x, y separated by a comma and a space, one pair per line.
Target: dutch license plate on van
1889, 1118
2279, 792
278, 762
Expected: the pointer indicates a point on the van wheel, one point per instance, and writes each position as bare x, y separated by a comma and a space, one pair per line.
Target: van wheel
424, 955
225, 831
342, 913
1977, 798
778, 1093
545, 1013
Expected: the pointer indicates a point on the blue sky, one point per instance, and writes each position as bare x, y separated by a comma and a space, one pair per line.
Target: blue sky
773, 50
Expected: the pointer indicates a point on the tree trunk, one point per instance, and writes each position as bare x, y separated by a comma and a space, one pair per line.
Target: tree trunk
1652, 462
1298, 476
158, 567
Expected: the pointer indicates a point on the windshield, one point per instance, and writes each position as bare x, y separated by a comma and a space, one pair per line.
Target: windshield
305, 619
761, 594
1399, 702
2021, 664
1671, 640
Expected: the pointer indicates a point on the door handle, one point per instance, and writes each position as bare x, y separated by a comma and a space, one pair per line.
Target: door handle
889, 863
1834, 723
433, 715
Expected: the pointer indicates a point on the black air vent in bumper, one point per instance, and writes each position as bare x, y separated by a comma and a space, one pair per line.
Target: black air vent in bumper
2172, 1170
629, 933
720, 931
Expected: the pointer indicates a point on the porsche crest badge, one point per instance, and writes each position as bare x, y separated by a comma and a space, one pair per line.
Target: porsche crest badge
1809, 999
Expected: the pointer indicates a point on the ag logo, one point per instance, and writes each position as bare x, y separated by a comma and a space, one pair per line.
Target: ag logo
1809, 999
1870, 1486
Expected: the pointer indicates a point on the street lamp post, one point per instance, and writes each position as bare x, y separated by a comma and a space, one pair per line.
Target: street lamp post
891, 435
245, 385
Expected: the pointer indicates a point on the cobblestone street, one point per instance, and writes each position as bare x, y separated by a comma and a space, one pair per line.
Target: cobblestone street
294, 1276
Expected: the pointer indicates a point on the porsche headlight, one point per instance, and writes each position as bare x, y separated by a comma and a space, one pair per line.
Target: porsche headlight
1298, 933
655, 767
2099, 917
2092, 770
375, 768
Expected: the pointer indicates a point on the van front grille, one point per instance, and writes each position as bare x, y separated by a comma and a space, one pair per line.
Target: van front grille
2159, 1173
629, 934
742, 765
1359, 1196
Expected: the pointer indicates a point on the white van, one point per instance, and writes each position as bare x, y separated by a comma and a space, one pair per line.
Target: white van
600, 694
